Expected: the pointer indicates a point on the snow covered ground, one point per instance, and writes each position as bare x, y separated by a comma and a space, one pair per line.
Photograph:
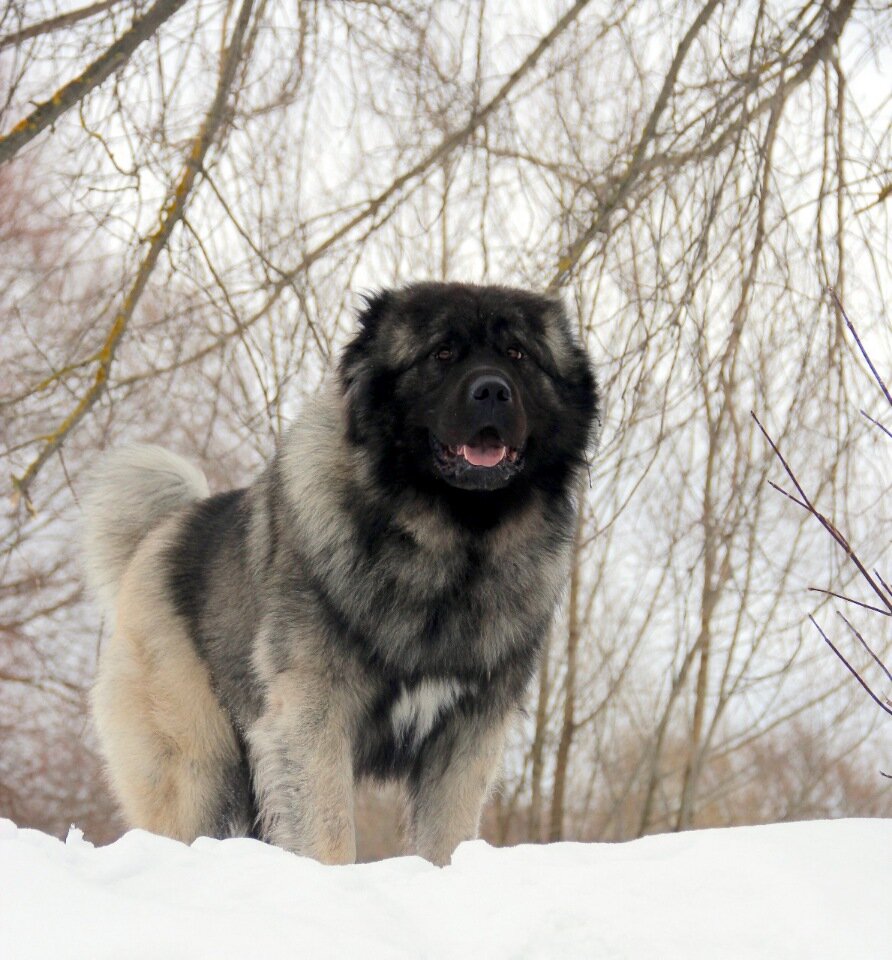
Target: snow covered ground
810, 890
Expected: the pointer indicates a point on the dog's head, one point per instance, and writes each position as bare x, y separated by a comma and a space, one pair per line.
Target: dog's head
457, 387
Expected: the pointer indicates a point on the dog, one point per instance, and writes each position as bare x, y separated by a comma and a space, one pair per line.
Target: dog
373, 605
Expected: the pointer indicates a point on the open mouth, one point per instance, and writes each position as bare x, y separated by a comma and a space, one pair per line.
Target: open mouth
484, 460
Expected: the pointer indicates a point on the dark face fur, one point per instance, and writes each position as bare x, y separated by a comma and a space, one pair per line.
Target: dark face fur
473, 395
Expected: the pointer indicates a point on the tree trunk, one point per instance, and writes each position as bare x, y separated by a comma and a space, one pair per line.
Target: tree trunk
568, 726
534, 825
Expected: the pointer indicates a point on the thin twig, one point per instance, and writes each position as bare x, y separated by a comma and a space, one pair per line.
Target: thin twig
864, 353
850, 668
864, 644
879, 577
852, 600
824, 521
788, 495
876, 423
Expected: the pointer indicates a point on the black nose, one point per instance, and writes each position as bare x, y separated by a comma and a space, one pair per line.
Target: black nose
490, 388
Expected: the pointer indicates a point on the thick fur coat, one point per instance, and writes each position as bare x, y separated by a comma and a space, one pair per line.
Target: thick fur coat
372, 606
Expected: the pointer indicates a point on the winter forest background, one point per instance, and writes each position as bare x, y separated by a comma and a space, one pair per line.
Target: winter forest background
193, 195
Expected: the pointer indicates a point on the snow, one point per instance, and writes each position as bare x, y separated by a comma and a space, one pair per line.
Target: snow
813, 890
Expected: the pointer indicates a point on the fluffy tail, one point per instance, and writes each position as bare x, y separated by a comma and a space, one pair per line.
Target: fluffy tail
130, 492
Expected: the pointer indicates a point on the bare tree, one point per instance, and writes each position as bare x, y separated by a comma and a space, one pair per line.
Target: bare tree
192, 195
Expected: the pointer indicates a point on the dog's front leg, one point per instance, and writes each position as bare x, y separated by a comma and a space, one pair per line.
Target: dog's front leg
450, 785
301, 759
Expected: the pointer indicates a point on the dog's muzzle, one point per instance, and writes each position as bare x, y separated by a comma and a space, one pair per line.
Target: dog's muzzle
480, 437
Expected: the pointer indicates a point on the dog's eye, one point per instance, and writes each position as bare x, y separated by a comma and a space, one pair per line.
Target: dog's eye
515, 353
443, 354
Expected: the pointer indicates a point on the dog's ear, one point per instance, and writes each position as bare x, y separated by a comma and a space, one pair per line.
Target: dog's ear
354, 369
354, 378
376, 305
357, 350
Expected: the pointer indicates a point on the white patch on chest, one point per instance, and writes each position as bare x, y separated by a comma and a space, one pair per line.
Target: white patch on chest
416, 710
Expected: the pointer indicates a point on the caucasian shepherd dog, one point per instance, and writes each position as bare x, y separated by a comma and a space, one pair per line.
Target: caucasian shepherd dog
373, 605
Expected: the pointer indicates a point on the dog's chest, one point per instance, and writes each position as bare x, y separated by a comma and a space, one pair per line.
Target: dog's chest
418, 708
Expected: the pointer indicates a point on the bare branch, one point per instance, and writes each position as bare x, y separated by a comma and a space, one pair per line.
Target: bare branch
435, 156
52, 24
824, 521
115, 57
852, 600
373, 206
864, 353
171, 214
866, 646
876, 423
622, 188
851, 669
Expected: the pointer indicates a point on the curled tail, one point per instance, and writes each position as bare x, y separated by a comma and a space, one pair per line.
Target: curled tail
130, 492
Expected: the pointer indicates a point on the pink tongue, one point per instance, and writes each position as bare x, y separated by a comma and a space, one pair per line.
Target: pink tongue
481, 456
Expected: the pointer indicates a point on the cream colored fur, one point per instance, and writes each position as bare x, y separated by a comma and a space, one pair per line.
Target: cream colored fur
303, 772
449, 802
166, 739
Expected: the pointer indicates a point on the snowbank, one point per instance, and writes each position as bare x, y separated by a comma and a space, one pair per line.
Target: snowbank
810, 890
